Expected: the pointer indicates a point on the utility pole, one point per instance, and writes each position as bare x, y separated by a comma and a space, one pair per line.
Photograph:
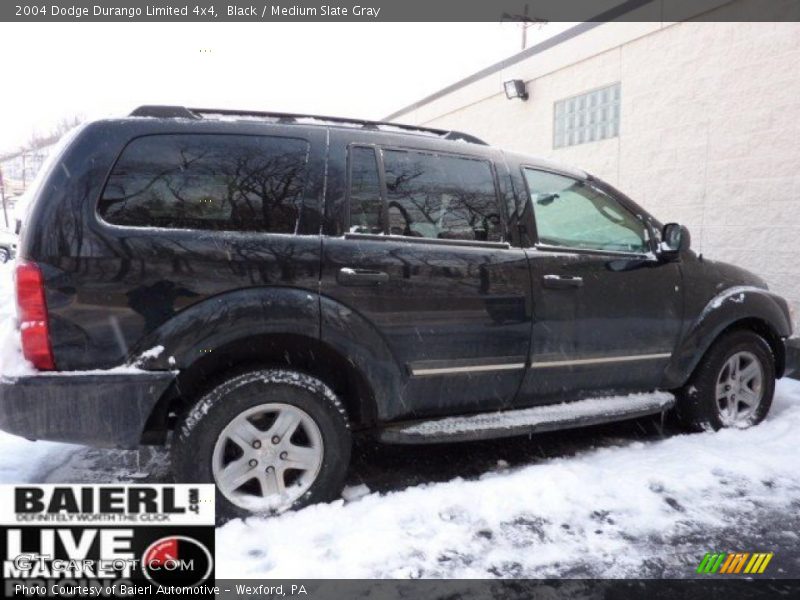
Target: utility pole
525, 34
525, 20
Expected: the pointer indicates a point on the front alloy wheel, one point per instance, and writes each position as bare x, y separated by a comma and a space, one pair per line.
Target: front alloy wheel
740, 387
732, 386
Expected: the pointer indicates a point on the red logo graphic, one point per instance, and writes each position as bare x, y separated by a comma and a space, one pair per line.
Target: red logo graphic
177, 560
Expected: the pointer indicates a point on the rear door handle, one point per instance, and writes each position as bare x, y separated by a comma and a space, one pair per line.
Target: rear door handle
348, 276
561, 282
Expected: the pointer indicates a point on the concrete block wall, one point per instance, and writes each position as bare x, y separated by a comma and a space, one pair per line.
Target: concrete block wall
709, 134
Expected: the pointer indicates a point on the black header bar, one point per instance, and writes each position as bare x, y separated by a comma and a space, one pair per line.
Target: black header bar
399, 10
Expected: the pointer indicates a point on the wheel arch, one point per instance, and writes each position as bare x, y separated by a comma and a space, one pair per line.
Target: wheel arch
770, 335
272, 326
306, 354
750, 309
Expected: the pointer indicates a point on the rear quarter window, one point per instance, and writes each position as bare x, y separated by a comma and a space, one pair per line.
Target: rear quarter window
208, 181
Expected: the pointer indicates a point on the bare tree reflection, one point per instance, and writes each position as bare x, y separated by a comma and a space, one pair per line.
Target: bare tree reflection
235, 183
441, 197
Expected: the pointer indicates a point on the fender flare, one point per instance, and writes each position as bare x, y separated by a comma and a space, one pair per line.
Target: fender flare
735, 304
355, 337
219, 320
234, 316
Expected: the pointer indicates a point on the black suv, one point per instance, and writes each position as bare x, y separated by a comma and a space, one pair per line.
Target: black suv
267, 285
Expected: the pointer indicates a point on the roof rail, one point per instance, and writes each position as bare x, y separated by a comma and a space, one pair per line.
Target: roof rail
164, 112
181, 112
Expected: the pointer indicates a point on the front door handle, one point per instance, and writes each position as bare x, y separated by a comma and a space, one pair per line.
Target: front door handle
561, 282
348, 276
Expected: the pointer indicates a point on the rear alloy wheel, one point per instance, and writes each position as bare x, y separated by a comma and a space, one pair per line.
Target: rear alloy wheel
266, 453
732, 386
5, 255
270, 440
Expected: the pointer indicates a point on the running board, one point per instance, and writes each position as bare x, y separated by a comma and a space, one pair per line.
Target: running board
550, 417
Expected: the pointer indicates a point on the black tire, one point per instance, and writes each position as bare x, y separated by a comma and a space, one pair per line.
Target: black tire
5, 255
197, 434
697, 407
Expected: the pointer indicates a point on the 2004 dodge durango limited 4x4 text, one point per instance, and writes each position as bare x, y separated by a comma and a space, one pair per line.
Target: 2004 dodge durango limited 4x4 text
257, 288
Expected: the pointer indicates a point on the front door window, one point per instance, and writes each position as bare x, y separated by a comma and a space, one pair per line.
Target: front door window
574, 214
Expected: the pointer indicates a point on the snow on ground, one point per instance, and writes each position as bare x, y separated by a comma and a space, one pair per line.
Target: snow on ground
616, 501
608, 512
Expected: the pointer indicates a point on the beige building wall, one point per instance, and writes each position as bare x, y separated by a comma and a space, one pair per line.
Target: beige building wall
709, 131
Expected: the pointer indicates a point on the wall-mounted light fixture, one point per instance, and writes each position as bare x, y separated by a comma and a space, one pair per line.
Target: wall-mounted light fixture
515, 88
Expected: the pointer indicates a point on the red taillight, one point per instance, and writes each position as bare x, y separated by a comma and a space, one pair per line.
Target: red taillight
32, 310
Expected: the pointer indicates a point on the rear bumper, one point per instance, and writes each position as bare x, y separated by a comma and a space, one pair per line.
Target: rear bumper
97, 409
792, 368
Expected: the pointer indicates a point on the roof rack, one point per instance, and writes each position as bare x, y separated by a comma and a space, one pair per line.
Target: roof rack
182, 112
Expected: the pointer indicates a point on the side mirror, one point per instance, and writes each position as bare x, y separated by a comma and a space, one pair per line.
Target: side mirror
675, 240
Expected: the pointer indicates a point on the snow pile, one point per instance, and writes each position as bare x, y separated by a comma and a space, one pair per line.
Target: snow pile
354, 492
150, 354
607, 512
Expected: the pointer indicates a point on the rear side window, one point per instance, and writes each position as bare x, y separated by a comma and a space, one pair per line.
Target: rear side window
426, 195
439, 196
214, 182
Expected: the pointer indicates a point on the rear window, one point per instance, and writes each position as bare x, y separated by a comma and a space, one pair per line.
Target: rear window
214, 182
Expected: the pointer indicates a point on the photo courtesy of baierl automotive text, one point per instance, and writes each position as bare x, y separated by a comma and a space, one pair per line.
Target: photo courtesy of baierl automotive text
425, 299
